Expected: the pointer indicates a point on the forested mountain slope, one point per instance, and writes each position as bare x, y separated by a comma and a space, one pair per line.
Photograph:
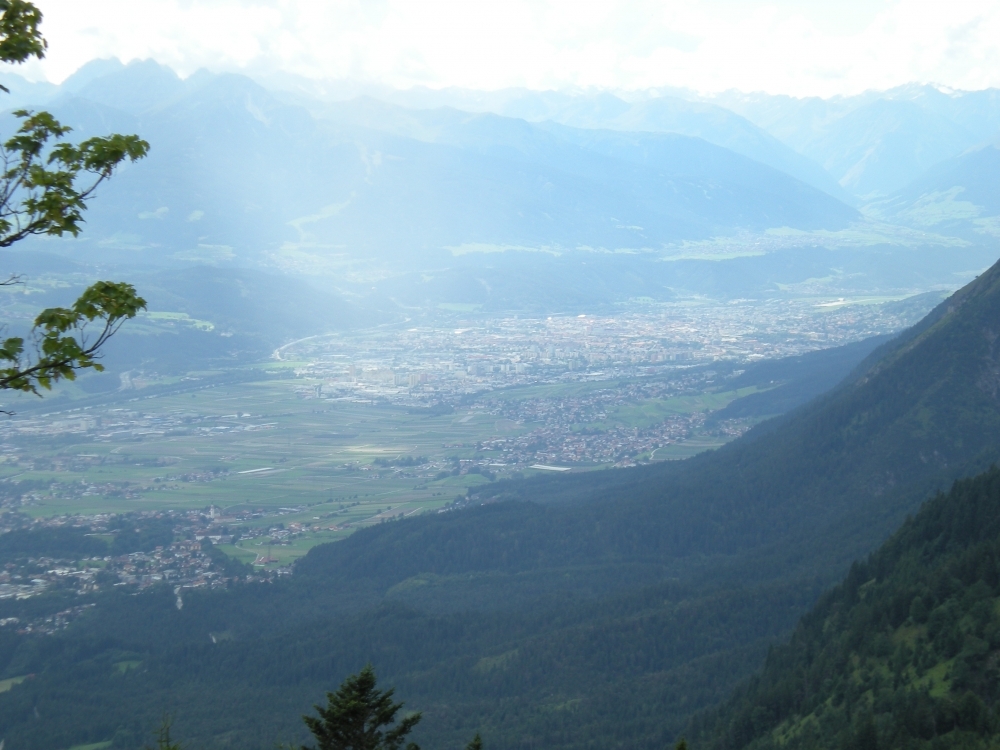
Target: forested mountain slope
903, 653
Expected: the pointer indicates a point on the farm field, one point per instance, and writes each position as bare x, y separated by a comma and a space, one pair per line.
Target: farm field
648, 413
269, 453
688, 448
10, 682
253, 445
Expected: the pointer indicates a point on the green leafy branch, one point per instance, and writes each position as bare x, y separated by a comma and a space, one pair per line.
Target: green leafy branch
45, 183
39, 193
20, 37
60, 337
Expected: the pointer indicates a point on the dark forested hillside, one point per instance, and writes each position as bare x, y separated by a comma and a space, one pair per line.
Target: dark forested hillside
790, 382
597, 610
903, 653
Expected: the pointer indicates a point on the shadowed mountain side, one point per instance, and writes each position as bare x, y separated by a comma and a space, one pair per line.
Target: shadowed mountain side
584, 281
247, 314
793, 381
507, 673
902, 652
249, 302
197, 318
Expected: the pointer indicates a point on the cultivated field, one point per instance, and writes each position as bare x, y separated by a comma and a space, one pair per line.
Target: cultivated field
269, 452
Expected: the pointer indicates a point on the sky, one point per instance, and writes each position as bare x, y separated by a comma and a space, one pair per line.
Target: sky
800, 48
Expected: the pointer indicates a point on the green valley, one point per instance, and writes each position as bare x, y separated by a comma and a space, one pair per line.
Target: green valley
572, 608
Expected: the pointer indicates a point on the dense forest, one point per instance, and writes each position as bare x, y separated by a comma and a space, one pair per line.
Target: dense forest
903, 653
601, 610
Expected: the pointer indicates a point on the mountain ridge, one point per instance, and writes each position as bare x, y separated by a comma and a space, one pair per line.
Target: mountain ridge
320, 190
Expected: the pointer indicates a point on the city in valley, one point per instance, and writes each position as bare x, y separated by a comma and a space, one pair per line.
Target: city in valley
244, 470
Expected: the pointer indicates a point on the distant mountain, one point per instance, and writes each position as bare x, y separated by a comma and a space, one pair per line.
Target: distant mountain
865, 145
978, 112
793, 121
872, 143
957, 196
24, 93
880, 147
877, 142
135, 88
578, 151
235, 174
423, 207
902, 653
716, 125
89, 72
604, 111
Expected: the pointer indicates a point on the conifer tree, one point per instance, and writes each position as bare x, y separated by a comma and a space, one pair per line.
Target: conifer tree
360, 717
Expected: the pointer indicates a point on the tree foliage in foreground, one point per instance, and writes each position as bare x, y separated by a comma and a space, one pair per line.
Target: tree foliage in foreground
45, 183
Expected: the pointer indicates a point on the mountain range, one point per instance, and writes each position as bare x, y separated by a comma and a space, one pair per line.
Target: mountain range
397, 201
850, 138
344, 187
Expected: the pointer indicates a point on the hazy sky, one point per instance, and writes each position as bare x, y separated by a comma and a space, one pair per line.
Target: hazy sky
803, 47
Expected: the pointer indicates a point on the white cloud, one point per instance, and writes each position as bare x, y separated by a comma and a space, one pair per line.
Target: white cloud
160, 213
820, 47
